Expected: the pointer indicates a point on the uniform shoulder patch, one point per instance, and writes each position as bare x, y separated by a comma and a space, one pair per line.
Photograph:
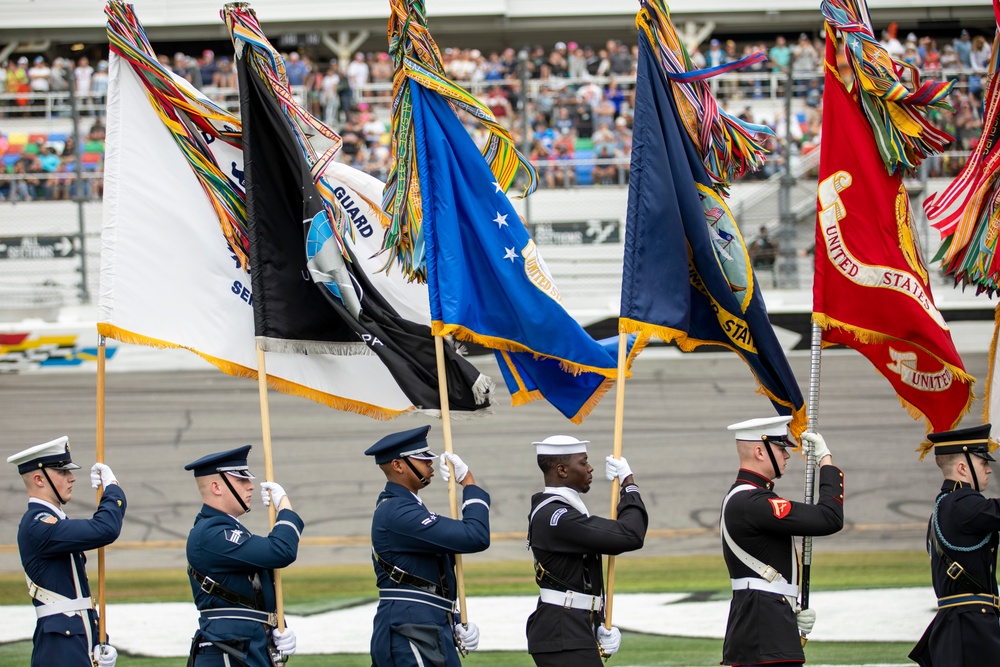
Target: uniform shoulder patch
431, 518
45, 517
780, 507
236, 536
554, 519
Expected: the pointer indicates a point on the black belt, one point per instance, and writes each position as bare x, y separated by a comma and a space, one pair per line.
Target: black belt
955, 571
404, 577
213, 587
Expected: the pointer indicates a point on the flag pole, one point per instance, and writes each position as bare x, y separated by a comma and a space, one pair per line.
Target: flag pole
102, 630
452, 487
812, 416
265, 424
619, 428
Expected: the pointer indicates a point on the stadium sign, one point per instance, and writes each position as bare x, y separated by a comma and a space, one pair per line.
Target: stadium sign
40, 247
584, 232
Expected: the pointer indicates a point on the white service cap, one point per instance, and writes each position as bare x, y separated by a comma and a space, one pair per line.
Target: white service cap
559, 445
53, 454
756, 429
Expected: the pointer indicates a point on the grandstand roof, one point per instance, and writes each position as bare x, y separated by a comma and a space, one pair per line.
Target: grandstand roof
498, 22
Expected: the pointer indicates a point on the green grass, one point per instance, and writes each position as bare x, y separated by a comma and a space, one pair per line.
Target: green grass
313, 589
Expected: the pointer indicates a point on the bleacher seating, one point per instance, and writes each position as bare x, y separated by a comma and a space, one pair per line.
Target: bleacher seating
23, 143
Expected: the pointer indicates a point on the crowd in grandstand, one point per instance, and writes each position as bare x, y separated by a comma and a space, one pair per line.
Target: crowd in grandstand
578, 102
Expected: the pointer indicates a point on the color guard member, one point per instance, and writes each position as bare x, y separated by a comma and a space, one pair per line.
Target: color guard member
566, 629
52, 546
758, 542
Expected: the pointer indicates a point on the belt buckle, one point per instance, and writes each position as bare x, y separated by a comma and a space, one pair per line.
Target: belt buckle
272, 618
769, 574
954, 570
33, 590
398, 578
212, 583
595, 604
568, 600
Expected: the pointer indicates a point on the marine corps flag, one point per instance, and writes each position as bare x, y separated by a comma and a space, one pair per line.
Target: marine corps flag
871, 289
687, 275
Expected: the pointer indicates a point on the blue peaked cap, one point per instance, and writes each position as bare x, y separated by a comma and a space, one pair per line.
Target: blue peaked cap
233, 461
411, 443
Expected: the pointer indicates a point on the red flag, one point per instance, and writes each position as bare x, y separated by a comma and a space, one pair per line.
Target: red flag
871, 289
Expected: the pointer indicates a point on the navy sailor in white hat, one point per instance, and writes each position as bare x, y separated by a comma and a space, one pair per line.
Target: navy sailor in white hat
51, 547
758, 542
412, 553
567, 542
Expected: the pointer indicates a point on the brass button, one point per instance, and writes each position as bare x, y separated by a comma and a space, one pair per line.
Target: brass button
842, 496
67, 632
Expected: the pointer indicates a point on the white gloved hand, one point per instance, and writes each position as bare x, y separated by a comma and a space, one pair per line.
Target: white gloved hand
461, 469
617, 468
805, 619
609, 640
105, 655
271, 491
818, 445
284, 641
468, 636
101, 475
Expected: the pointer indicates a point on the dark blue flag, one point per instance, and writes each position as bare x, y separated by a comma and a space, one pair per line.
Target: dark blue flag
486, 279
687, 275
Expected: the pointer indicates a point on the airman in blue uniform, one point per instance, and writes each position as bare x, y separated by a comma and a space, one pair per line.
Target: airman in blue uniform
52, 546
412, 552
231, 569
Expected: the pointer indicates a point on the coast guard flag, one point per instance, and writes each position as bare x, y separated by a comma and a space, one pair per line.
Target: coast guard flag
169, 278
687, 275
871, 289
303, 288
487, 281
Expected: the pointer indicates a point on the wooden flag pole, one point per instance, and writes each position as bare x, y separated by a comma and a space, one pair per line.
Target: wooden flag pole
265, 424
452, 484
812, 415
102, 630
619, 429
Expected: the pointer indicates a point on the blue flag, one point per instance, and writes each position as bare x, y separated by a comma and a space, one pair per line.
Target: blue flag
687, 275
486, 280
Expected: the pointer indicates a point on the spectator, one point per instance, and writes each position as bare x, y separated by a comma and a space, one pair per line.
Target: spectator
604, 174
296, 69
83, 75
225, 75
620, 58
891, 43
615, 95
187, 69
563, 122
949, 59
357, 76
779, 55
577, 65
99, 86
763, 251
328, 98
584, 121
979, 57
698, 58
715, 56
208, 67
19, 186
17, 80
39, 76
963, 50
58, 76
498, 103
557, 61
806, 57
563, 172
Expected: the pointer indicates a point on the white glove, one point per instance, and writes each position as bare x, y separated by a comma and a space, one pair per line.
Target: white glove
461, 469
105, 655
617, 468
609, 640
284, 641
805, 619
101, 475
271, 491
468, 636
818, 445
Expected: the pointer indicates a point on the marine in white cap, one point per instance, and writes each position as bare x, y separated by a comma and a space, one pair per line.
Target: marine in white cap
51, 547
567, 542
758, 542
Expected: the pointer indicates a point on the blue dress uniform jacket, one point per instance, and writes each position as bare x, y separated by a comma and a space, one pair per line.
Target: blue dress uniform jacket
569, 545
222, 548
50, 547
761, 627
419, 542
964, 634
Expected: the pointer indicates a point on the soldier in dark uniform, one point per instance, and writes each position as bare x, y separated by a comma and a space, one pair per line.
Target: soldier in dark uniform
231, 569
412, 552
52, 546
962, 543
758, 528
566, 629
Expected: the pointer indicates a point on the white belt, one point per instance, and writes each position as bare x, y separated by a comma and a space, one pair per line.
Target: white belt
64, 607
779, 587
571, 599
